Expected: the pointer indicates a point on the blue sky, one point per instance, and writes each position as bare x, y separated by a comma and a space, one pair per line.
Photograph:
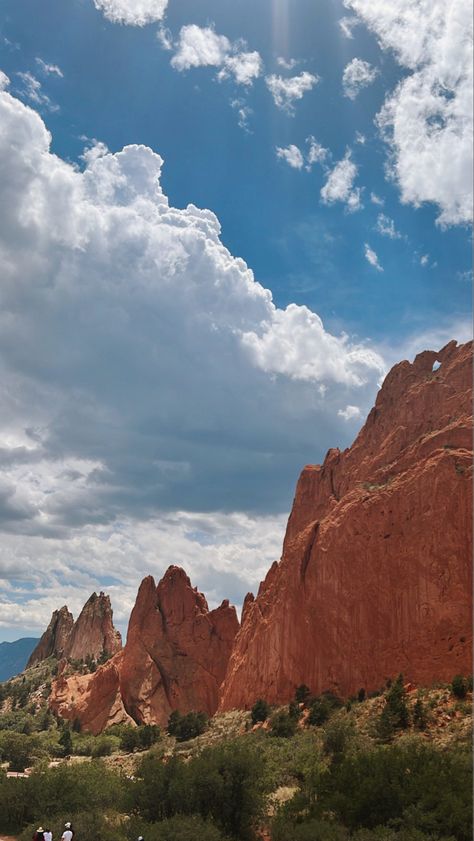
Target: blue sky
161, 415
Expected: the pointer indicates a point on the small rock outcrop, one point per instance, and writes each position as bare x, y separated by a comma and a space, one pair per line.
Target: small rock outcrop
375, 576
92, 635
175, 658
56, 638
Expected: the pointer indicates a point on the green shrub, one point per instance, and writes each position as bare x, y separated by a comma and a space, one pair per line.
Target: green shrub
15, 807
310, 830
338, 736
319, 711
184, 727
260, 711
395, 715
102, 746
228, 785
459, 686
18, 749
420, 715
224, 783
129, 739
381, 833
177, 828
294, 710
302, 694
414, 784
65, 740
283, 724
73, 788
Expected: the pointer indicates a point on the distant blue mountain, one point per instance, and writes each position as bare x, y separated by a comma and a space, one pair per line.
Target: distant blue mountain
14, 656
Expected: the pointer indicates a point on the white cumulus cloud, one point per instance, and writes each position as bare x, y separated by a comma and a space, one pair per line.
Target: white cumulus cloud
286, 91
243, 66
339, 186
49, 69
372, 257
358, 74
202, 47
375, 199
427, 120
350, 413
346, 25
133, 341
386, 227
132, 12
147, 382
287, 63
317, 154
292, 155
32, 89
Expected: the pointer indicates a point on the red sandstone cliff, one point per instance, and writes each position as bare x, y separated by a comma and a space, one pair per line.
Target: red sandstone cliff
375, 576
92, 635
175, 657
55, 639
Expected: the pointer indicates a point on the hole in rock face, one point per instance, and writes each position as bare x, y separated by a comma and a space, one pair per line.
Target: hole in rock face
436, 365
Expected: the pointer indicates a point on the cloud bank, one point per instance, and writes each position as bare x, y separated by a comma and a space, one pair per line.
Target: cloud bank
143, 372
428, 119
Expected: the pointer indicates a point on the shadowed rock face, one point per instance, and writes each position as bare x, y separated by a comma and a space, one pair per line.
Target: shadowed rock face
175, 657
55, 639
92, 635
375, 576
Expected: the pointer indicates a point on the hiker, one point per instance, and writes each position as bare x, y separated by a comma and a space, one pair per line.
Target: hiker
68, 833
140, 838
39, 834
47, 835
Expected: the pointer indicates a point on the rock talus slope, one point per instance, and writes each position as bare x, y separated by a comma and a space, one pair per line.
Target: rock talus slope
375, 576
175, 657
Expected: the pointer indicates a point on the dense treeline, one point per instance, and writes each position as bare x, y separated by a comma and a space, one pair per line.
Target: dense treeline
408, 791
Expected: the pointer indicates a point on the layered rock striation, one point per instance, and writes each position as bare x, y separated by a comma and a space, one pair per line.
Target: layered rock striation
175, 657
92, 635
375, 576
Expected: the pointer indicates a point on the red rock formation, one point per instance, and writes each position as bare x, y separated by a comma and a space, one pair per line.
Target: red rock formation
375, 576
94, 633
55, 639
96, 703
175, 657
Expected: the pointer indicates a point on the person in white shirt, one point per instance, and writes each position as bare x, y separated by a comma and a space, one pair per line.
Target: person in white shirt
47, 835
68, 833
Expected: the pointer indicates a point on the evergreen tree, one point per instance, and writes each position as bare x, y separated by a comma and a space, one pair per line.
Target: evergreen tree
65, 740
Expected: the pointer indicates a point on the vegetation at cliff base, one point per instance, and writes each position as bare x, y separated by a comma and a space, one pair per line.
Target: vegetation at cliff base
394, 767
